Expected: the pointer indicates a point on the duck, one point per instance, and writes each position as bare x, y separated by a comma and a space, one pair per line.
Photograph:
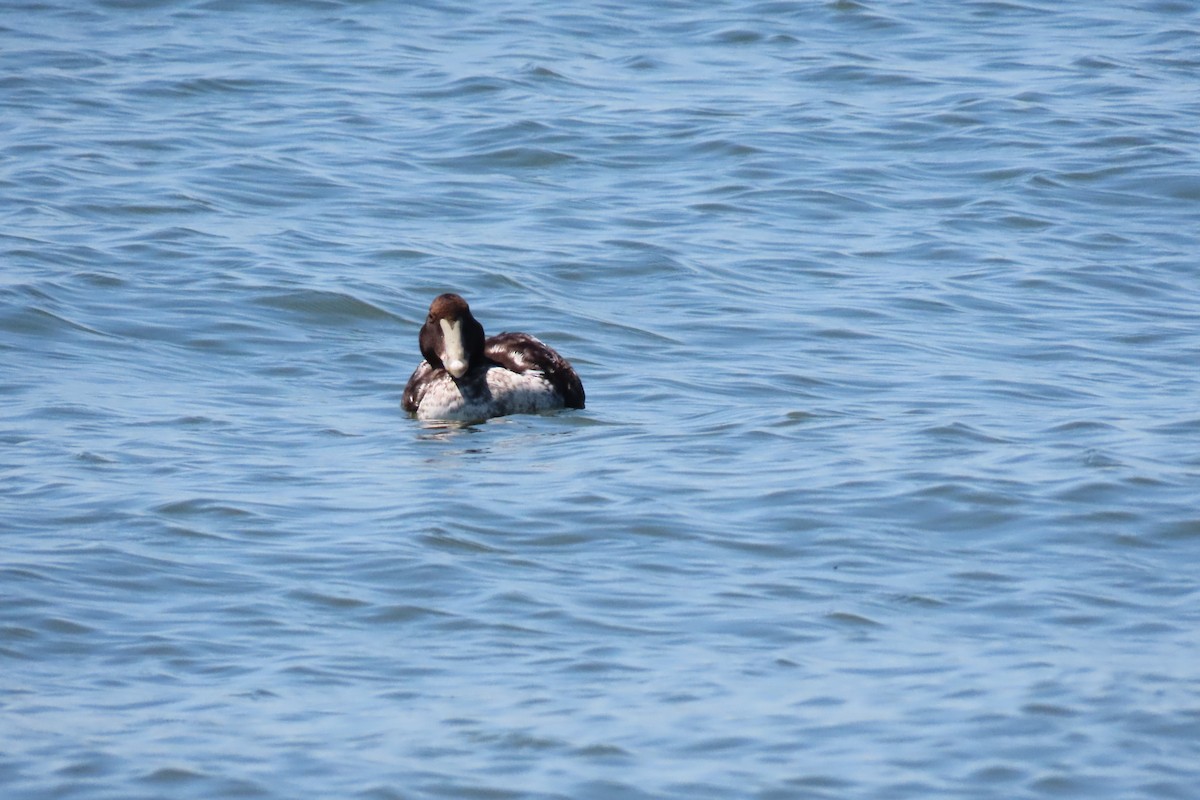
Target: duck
469, 377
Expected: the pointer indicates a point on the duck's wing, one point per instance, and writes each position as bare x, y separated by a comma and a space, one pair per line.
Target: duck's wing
523, 353
414, 390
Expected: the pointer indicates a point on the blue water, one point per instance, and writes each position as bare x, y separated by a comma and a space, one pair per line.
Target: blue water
889, 480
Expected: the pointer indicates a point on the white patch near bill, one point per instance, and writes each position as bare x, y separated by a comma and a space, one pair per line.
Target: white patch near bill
455, 360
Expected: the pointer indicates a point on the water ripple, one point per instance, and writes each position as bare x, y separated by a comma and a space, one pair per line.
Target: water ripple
886, 320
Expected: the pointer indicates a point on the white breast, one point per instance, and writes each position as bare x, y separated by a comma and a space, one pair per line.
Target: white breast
506, 393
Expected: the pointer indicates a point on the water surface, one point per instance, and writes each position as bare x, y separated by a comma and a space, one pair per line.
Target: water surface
887, 483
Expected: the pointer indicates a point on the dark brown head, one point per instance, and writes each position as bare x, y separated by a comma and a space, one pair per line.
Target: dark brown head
451, 339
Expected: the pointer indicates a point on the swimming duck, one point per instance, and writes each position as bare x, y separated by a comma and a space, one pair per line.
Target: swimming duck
468, 377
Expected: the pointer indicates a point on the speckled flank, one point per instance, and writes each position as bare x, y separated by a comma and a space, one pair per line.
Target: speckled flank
506, 392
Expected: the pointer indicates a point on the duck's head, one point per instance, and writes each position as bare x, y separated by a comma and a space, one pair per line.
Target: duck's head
451, 338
